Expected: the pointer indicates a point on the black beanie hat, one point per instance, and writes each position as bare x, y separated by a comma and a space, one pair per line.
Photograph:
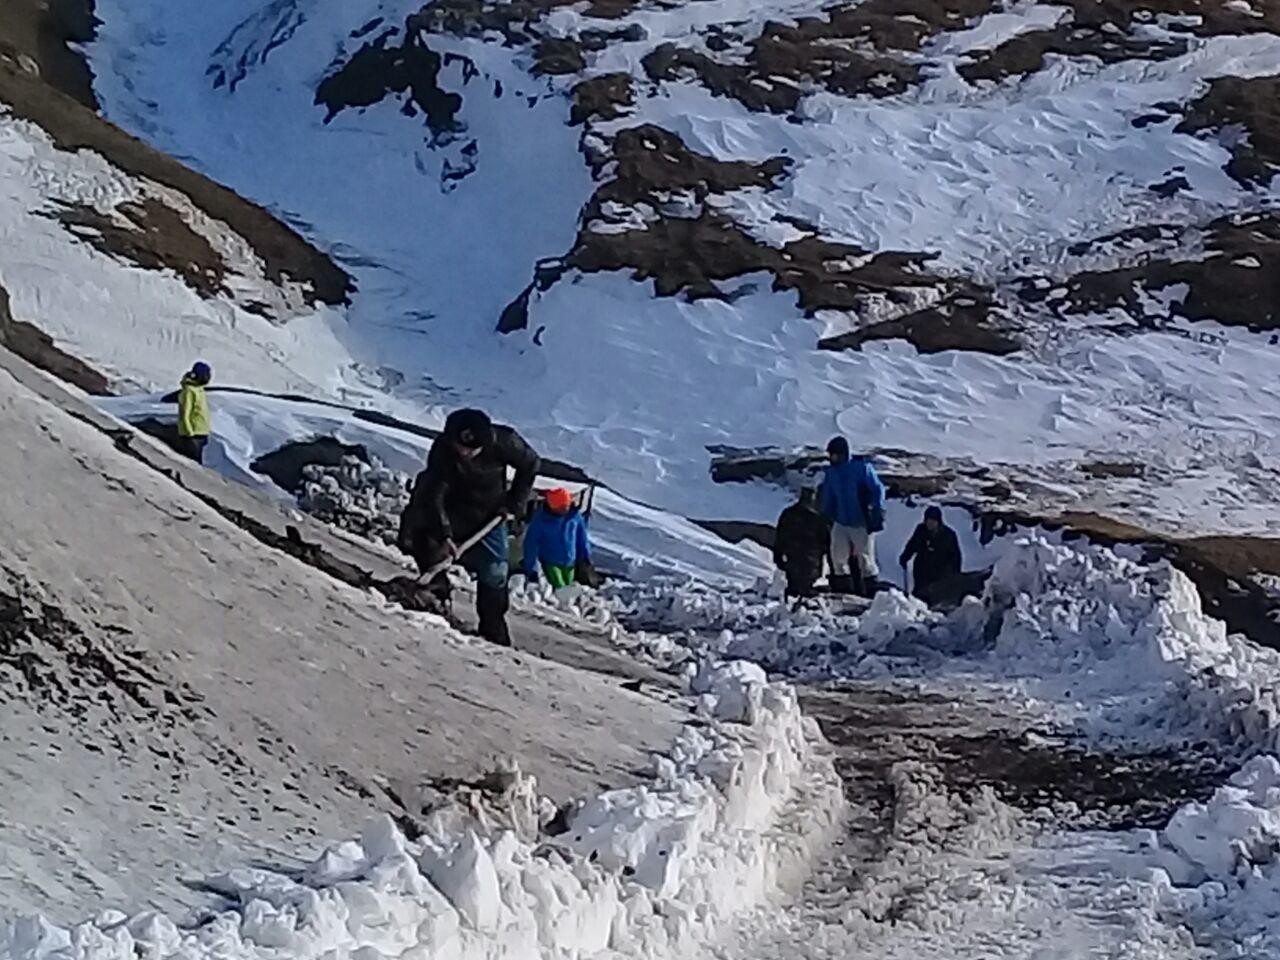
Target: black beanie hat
470, 428
933, 513
840, 447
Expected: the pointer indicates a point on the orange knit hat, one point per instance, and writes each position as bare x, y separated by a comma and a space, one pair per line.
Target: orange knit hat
559, 499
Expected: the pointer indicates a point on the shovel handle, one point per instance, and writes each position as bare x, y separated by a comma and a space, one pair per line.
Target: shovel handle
436, 569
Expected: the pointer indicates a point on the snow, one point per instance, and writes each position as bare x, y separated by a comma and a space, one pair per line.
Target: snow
991, 179
730, 821
140, 326
629, 538
996, 179
993, 29
1215, 863
1105, 648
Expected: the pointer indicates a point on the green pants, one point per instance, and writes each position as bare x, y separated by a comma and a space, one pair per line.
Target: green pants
558, 576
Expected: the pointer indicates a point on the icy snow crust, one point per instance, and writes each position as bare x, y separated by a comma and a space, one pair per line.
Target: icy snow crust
732, 818
998, 179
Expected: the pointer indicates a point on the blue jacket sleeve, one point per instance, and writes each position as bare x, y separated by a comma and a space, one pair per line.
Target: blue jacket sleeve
532, 546
828, 497
875, 489
582, 542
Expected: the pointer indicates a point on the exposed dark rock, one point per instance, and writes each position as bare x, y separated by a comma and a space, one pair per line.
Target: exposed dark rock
651, 160
1252, 105
1120, 471
669, 62
556, 56
1234, 281
285, 465
1026, 52
963, 323
40, 34
71, 126
605, 97
854, 50
377, 70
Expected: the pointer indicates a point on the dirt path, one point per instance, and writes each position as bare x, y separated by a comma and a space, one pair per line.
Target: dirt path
972, 835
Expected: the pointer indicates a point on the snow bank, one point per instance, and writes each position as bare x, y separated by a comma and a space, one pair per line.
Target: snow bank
1134, 643
732, 818
1216, 864
1110, 648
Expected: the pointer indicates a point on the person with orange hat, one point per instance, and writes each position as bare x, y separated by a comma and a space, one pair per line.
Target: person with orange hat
556, 540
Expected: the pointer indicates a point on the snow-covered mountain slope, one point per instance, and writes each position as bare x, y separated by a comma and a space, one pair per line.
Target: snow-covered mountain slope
179, 697
716, 223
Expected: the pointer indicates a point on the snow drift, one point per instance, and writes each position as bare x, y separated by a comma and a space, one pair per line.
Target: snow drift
731, 819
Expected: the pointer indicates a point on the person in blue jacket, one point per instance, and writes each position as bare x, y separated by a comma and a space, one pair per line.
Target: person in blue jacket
556, 540
853, 500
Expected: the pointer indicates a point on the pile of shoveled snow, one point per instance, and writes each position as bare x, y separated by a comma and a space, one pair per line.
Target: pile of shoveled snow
731, 819
365, 498
1106, 646
1217, 864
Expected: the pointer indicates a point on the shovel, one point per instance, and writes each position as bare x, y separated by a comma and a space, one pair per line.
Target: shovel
436, 569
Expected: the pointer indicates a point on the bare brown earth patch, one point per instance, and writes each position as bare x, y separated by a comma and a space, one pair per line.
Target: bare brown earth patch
605, 97
1252, 106
1234, 280
151, 235
875, 727
37, 348
1109, 31
966, 322
1026, 53
72, 126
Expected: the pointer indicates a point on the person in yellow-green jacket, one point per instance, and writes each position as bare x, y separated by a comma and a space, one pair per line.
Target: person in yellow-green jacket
193, 411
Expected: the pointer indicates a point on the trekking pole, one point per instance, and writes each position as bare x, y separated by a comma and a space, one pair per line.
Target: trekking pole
436, 569
591, 500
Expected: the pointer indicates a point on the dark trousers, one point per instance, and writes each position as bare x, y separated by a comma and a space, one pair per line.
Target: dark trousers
193, 447
801, 577
488, 562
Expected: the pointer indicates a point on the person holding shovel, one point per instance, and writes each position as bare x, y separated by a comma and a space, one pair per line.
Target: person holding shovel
462, 490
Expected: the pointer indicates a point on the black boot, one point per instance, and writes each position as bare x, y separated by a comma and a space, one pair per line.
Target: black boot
840, 583
491, 609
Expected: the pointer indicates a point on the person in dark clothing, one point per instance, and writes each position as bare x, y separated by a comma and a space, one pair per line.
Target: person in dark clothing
936, 550
463, 487
801, 540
